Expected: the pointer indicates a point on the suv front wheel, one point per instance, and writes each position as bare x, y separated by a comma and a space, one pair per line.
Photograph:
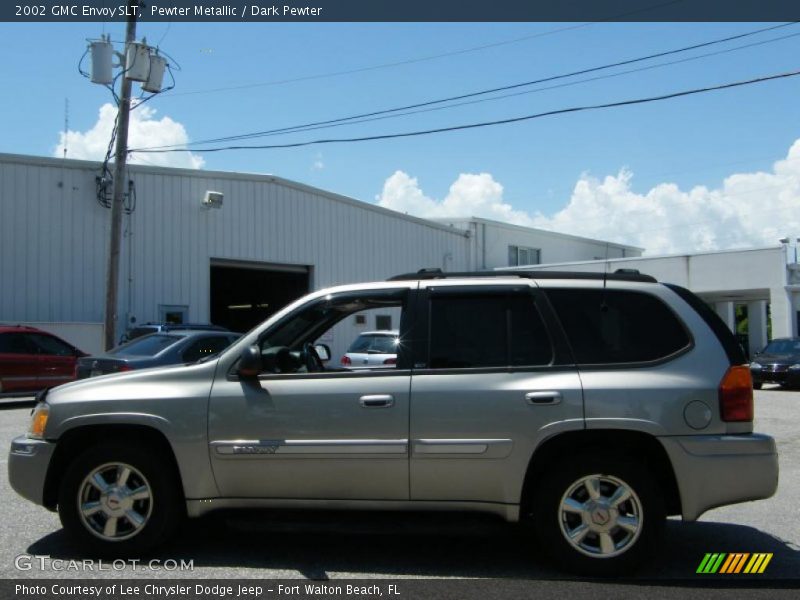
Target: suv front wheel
119, 499
598, 515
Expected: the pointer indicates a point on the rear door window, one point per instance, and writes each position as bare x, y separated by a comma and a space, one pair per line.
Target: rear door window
486, 330
618, 326
51, 346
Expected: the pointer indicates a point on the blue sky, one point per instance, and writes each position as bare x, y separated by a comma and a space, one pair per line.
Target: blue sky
696, 141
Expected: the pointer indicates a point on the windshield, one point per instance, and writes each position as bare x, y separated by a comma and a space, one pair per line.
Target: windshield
783, 347
375, 344
149, 345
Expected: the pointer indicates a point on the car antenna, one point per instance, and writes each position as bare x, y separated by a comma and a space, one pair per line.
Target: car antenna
603, 305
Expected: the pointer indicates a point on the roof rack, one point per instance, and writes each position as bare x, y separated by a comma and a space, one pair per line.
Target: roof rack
618, 275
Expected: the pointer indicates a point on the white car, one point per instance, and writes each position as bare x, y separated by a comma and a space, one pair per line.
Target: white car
373, 349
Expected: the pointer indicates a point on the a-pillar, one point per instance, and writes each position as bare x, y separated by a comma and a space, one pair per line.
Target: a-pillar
757, 325
727, 311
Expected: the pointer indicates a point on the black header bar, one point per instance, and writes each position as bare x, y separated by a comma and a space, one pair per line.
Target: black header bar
268, 11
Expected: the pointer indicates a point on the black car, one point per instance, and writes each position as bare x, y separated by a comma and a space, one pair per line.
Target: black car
146, 328
779, 363
156, 350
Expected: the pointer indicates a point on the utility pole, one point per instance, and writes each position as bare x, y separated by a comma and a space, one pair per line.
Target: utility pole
120, 158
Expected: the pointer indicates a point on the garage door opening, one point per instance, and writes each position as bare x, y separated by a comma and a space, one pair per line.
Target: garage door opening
245, 294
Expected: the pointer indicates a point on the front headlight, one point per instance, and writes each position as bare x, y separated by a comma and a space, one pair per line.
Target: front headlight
39, 421
755, 365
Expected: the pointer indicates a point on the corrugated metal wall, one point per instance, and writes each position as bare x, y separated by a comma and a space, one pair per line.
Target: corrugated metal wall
54, 238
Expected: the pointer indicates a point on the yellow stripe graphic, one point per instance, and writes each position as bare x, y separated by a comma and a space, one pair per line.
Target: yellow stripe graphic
751, 564
765, 563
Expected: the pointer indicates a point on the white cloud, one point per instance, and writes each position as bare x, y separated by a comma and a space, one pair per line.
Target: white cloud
318, 163
470, 195
748, 209
144, 130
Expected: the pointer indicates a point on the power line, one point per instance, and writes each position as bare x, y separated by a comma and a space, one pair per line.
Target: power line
363, 117
300, 129
377, 67
612, 18
506, 121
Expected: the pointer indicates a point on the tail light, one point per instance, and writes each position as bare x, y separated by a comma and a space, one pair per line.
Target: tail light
123, 367
390, 361
345, 361
736, 395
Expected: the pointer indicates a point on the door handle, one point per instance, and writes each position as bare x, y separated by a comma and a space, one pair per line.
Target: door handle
543, 397
376, 401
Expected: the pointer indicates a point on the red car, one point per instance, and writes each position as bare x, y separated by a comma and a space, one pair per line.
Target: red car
32, 360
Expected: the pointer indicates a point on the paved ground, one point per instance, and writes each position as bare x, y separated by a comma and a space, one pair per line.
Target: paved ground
318, 546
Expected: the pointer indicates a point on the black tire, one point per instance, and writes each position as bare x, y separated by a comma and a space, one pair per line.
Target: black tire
551, 524
756, 386
161, 512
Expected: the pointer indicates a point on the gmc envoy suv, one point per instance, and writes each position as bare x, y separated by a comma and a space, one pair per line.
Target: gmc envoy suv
589, 406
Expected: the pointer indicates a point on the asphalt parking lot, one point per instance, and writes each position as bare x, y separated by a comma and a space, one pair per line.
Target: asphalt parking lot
323, 545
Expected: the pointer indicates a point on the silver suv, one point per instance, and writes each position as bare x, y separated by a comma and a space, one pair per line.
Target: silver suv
590, 406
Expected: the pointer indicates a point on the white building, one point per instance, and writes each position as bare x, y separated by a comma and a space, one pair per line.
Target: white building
765, 280
499, 244
271, 241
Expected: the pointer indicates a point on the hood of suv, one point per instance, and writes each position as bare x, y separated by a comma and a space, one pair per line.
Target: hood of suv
777, 359
158, 383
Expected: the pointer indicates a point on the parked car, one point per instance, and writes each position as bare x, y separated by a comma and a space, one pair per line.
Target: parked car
590, 405
371, 349
33, 360
155, 350
778, 362
147, 328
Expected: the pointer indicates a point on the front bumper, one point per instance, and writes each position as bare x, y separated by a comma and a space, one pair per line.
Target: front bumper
716, 470
28, 461
784, 377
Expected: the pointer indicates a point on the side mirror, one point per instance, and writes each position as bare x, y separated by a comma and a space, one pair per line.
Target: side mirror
250, 362
323, 351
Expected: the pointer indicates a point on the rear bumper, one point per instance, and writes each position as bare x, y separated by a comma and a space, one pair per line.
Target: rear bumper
28, 461
716, 470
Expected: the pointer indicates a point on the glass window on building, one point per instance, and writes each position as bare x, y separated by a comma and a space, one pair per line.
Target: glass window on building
521, 255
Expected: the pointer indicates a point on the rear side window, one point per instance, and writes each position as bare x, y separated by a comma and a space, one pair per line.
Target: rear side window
614, 326
149, 345
487, 331
207, 346
374, 344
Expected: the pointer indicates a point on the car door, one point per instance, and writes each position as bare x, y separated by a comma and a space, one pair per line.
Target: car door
333, 434
56, 360
19, 363
494, 379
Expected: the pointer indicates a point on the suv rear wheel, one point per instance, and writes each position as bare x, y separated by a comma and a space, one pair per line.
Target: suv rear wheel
119, 499
598, 515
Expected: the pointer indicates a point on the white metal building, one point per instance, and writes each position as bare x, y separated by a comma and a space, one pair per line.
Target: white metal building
270, 241
497, 244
